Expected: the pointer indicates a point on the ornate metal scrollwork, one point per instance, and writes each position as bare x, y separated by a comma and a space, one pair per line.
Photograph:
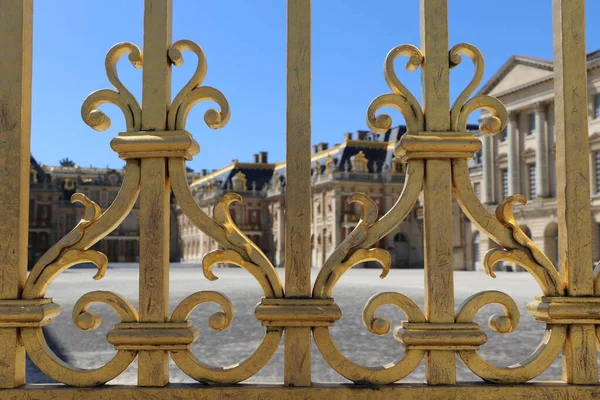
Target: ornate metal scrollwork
356, 248
504, 230
193, 93
131, 335
463, 107
71, 250
416, 333
400, 98
74, 248
122, 97
238, 249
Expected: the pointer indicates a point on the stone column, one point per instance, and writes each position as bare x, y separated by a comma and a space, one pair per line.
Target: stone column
513, 153
487, 196
542, 177
335, 217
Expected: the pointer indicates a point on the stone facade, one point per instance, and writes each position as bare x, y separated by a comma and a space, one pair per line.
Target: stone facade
52, 215
362, 163
521, 160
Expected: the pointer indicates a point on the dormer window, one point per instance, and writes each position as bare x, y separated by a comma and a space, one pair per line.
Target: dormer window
239, 182
69, 184
34, 178
359, 163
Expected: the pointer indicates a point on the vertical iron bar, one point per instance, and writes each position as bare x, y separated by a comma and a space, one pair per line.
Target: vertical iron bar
572, 173
154, 193
437, 207
298, 192
16, 24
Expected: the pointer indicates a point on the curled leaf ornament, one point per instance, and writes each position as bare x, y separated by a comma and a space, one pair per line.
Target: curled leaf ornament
400, 98
463, 107
193, 93
380, 375
121, 97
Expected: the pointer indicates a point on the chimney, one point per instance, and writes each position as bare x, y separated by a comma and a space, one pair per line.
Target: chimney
360, 135
204, 171
320, 147
348, 136
256, 159
263, 157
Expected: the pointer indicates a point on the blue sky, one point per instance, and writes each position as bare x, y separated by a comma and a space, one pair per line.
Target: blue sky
244, 42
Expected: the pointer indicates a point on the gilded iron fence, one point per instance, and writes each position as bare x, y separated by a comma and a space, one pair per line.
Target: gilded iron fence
436, 149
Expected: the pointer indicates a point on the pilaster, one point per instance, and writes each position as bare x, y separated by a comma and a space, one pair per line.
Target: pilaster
541, 152
487, 196
513, 153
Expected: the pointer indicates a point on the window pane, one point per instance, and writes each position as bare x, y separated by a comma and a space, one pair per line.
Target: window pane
504, 183
531, 124
597, 106
476, 248
531, 181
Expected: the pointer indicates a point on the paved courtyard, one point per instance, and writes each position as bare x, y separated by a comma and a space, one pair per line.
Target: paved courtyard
90, 349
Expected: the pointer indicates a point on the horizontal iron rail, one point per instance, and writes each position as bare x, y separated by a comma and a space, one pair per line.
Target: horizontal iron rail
414, 391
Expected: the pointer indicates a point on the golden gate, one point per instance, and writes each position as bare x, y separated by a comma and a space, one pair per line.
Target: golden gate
436, 148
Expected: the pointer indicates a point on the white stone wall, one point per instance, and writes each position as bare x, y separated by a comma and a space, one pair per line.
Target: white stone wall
522, 96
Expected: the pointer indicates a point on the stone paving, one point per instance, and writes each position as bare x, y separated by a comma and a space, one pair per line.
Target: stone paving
90, 349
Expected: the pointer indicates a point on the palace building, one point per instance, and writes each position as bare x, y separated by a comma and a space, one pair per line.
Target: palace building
52, 215
521, 160
361, 163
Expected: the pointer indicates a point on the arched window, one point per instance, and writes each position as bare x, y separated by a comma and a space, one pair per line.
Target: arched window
400, 238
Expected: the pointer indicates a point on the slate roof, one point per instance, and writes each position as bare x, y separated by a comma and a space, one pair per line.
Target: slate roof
262, 176
375, 147
259, 173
